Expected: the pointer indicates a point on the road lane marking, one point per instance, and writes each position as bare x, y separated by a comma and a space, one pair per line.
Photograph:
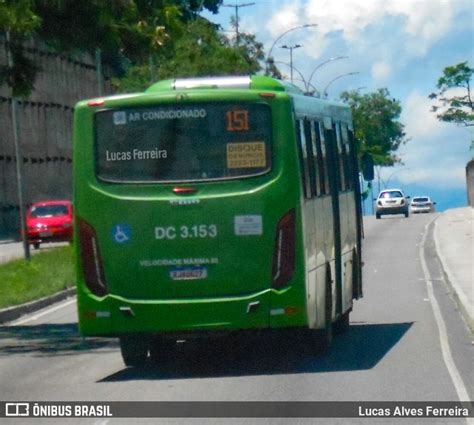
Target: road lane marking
443, 335
43, 313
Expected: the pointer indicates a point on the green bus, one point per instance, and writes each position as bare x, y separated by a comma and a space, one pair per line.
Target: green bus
213, 206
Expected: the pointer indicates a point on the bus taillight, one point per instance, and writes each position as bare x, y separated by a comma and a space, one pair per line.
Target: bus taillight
284, 251
96, 102
91, 259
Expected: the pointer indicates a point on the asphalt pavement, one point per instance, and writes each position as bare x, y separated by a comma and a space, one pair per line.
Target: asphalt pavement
454, 238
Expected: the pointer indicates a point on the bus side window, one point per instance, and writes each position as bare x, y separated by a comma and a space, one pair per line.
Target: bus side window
311, 157
325, 160
320, 166
348, 172
339, 155
353, 159
305, 178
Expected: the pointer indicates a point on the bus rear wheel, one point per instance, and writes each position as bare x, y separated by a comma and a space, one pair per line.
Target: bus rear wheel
322, 338
161, 349
356, 276
134, 350
342, 324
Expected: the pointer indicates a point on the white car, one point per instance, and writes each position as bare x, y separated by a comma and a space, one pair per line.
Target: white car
391, 201
422, 204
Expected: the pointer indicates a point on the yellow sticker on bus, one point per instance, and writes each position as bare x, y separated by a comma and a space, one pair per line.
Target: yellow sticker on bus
246, 155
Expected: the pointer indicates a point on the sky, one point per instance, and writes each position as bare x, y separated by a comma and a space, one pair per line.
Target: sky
402, 45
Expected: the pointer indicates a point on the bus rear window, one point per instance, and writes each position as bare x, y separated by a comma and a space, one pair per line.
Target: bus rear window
177, 143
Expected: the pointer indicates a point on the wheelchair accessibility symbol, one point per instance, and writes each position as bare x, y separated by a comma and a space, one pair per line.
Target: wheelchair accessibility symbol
121, 233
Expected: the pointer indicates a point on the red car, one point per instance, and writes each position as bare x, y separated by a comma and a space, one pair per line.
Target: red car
49, 221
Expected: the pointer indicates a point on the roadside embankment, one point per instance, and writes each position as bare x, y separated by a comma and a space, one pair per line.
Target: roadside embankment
27, 285
454, 239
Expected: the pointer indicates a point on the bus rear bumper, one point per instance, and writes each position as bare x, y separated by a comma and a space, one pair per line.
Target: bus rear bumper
115, 316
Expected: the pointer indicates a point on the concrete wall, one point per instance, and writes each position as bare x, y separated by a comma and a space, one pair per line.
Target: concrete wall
470, 182
45, 129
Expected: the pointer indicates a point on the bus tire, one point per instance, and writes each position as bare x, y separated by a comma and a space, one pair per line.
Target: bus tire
356, 277
161, 349
342, 324
322, 338
134, 350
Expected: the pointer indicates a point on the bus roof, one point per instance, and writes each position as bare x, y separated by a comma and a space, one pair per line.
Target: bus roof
254, 82
303, 104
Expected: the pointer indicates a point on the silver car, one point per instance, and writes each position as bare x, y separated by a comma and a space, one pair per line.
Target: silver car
391, 201
422, 204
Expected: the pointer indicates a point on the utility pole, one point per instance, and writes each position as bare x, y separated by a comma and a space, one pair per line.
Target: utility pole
236, 6
19, 160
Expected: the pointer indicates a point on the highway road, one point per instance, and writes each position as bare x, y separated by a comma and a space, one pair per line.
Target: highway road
406, 342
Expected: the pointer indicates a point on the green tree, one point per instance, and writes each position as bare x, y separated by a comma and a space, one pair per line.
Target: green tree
202, 50
455, 102
199, 50
377, 129
126, 31
18, 16
272, 70
455, 97
18, 20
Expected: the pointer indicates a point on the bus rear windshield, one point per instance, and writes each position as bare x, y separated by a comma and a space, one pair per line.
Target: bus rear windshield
206, 141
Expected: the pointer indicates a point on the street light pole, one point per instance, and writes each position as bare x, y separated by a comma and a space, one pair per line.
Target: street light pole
385, 184
19, 160
269, 55
295, 46
325, 91
303, 80
307, 86
98, 67
324, 63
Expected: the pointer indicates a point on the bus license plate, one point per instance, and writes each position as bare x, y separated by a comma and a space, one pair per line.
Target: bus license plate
45, 234
188, 273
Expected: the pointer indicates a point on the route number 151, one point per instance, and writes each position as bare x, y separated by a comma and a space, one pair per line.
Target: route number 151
237, 120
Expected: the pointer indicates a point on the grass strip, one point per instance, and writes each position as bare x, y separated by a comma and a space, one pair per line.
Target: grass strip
48, 272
